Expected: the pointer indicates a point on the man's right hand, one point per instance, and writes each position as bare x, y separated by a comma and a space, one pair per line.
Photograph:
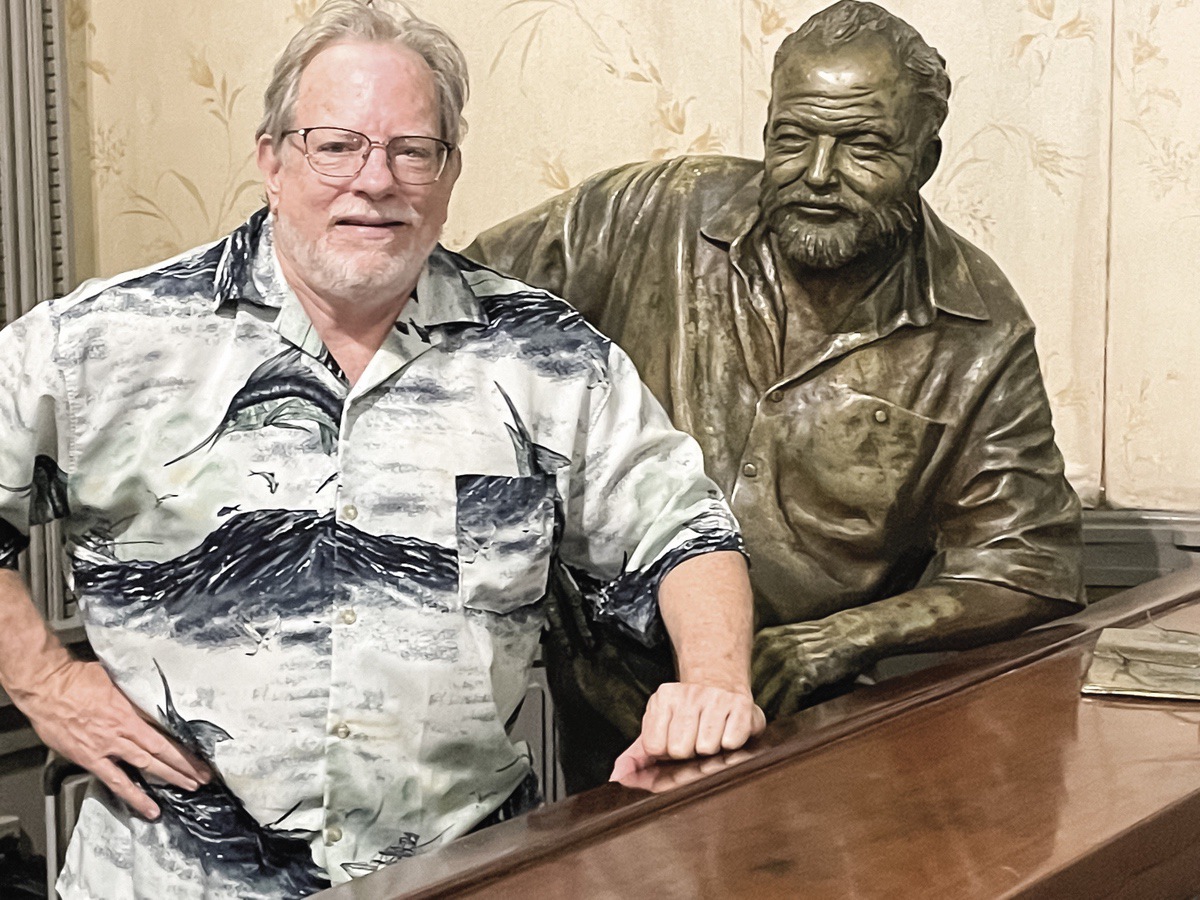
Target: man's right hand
79, 713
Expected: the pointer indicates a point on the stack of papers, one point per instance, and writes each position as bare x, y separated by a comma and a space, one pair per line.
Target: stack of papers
1146, 662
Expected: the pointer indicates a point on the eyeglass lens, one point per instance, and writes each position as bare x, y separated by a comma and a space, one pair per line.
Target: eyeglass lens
337, 151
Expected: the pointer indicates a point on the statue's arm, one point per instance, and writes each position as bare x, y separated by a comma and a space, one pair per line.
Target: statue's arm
1008, 553
791, 661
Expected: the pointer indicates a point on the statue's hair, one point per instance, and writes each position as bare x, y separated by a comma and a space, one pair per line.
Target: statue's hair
848, 19
374, 21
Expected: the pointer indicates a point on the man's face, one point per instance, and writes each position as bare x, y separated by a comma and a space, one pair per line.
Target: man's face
364, 238
846, 153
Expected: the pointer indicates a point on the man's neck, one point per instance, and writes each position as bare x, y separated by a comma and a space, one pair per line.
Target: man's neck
352, 329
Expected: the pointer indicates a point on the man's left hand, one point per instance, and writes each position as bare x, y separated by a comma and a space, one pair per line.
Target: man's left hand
687, 720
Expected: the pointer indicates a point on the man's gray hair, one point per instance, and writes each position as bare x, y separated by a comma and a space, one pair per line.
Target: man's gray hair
848, 19
373, 21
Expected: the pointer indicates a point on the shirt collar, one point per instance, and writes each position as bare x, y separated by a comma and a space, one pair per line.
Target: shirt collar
944, 281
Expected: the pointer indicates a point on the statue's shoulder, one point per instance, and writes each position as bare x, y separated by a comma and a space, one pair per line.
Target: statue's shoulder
953, 253
691, 181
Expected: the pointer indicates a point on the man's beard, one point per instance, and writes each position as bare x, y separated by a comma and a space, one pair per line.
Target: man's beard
336, 274
808, 245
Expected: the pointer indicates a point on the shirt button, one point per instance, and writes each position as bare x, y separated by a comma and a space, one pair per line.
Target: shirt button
775, 396
333, 834
750, 470
342, 730
881, 416
349, 616
349, 512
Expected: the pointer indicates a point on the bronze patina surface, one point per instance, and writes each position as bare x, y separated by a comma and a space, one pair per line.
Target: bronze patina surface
863, 381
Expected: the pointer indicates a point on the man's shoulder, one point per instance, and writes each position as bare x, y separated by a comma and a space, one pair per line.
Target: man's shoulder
169, 285
524, 312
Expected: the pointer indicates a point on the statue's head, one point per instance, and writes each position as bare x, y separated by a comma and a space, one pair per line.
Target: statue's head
857, 99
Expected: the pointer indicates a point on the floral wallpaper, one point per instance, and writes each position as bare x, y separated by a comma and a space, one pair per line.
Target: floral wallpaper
1072, 155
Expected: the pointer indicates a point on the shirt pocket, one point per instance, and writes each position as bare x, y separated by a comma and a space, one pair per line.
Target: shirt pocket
856, 463
505, 528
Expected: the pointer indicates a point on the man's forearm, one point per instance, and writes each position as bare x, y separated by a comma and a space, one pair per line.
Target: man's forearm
29, 649
708, 609
709, 613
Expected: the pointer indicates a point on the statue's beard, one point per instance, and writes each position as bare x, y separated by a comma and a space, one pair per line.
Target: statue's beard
809, 245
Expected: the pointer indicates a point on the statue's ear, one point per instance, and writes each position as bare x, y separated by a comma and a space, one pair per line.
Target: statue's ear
930, 157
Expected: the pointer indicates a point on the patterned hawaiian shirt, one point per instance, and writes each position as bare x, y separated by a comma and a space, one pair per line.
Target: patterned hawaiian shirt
334, 593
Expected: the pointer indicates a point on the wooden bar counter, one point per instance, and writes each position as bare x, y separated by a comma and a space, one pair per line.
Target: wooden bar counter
988, 776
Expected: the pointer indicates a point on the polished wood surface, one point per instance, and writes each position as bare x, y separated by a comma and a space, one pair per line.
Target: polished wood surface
989, 776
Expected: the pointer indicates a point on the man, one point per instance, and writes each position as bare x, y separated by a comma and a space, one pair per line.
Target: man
862, 380
315, 477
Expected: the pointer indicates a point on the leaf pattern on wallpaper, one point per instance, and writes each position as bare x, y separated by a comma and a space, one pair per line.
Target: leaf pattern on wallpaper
201, 207
1154, 92
762, 33
613, 46
1047, 26
967, 172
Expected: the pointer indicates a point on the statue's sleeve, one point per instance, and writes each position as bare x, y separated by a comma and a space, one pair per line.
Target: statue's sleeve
32, 486
1006, 514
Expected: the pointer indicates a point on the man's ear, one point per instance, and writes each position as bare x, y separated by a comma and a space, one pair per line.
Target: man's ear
269, 164
930, 157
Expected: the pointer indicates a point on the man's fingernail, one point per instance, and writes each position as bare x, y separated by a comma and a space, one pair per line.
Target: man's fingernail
153, 812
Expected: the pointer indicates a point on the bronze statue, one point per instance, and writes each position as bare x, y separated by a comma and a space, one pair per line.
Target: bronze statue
862, 379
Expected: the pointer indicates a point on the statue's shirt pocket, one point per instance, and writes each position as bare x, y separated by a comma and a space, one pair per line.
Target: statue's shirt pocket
505, 528
857, 459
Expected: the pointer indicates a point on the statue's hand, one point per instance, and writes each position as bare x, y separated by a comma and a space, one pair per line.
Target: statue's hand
792, 661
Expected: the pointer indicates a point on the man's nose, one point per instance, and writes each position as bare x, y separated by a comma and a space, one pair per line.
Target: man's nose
376, 176
820, 172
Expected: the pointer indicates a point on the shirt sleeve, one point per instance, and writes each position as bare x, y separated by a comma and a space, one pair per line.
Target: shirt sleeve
32, 485
639, 504
1006, 514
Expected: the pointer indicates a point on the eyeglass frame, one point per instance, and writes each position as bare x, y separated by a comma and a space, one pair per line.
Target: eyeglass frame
371, 145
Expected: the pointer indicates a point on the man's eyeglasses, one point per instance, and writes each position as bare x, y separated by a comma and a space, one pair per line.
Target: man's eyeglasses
342, 153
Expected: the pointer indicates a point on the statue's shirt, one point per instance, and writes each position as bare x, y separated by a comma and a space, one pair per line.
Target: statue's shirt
918, 447
333, 593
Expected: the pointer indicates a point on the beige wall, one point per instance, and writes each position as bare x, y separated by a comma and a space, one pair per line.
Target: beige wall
166, 95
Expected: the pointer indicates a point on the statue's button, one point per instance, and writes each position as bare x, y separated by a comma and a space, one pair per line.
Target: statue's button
881, 416
333, 834
775, 396
349, 512
349, 616
750, 470
342, 730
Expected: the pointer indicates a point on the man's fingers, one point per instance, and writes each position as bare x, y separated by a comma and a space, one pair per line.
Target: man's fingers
714, 724
656, 726
124, 788
167, 759
632, 760
681, 737
178, 758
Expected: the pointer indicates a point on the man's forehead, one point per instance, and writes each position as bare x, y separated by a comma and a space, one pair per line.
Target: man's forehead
348, 70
